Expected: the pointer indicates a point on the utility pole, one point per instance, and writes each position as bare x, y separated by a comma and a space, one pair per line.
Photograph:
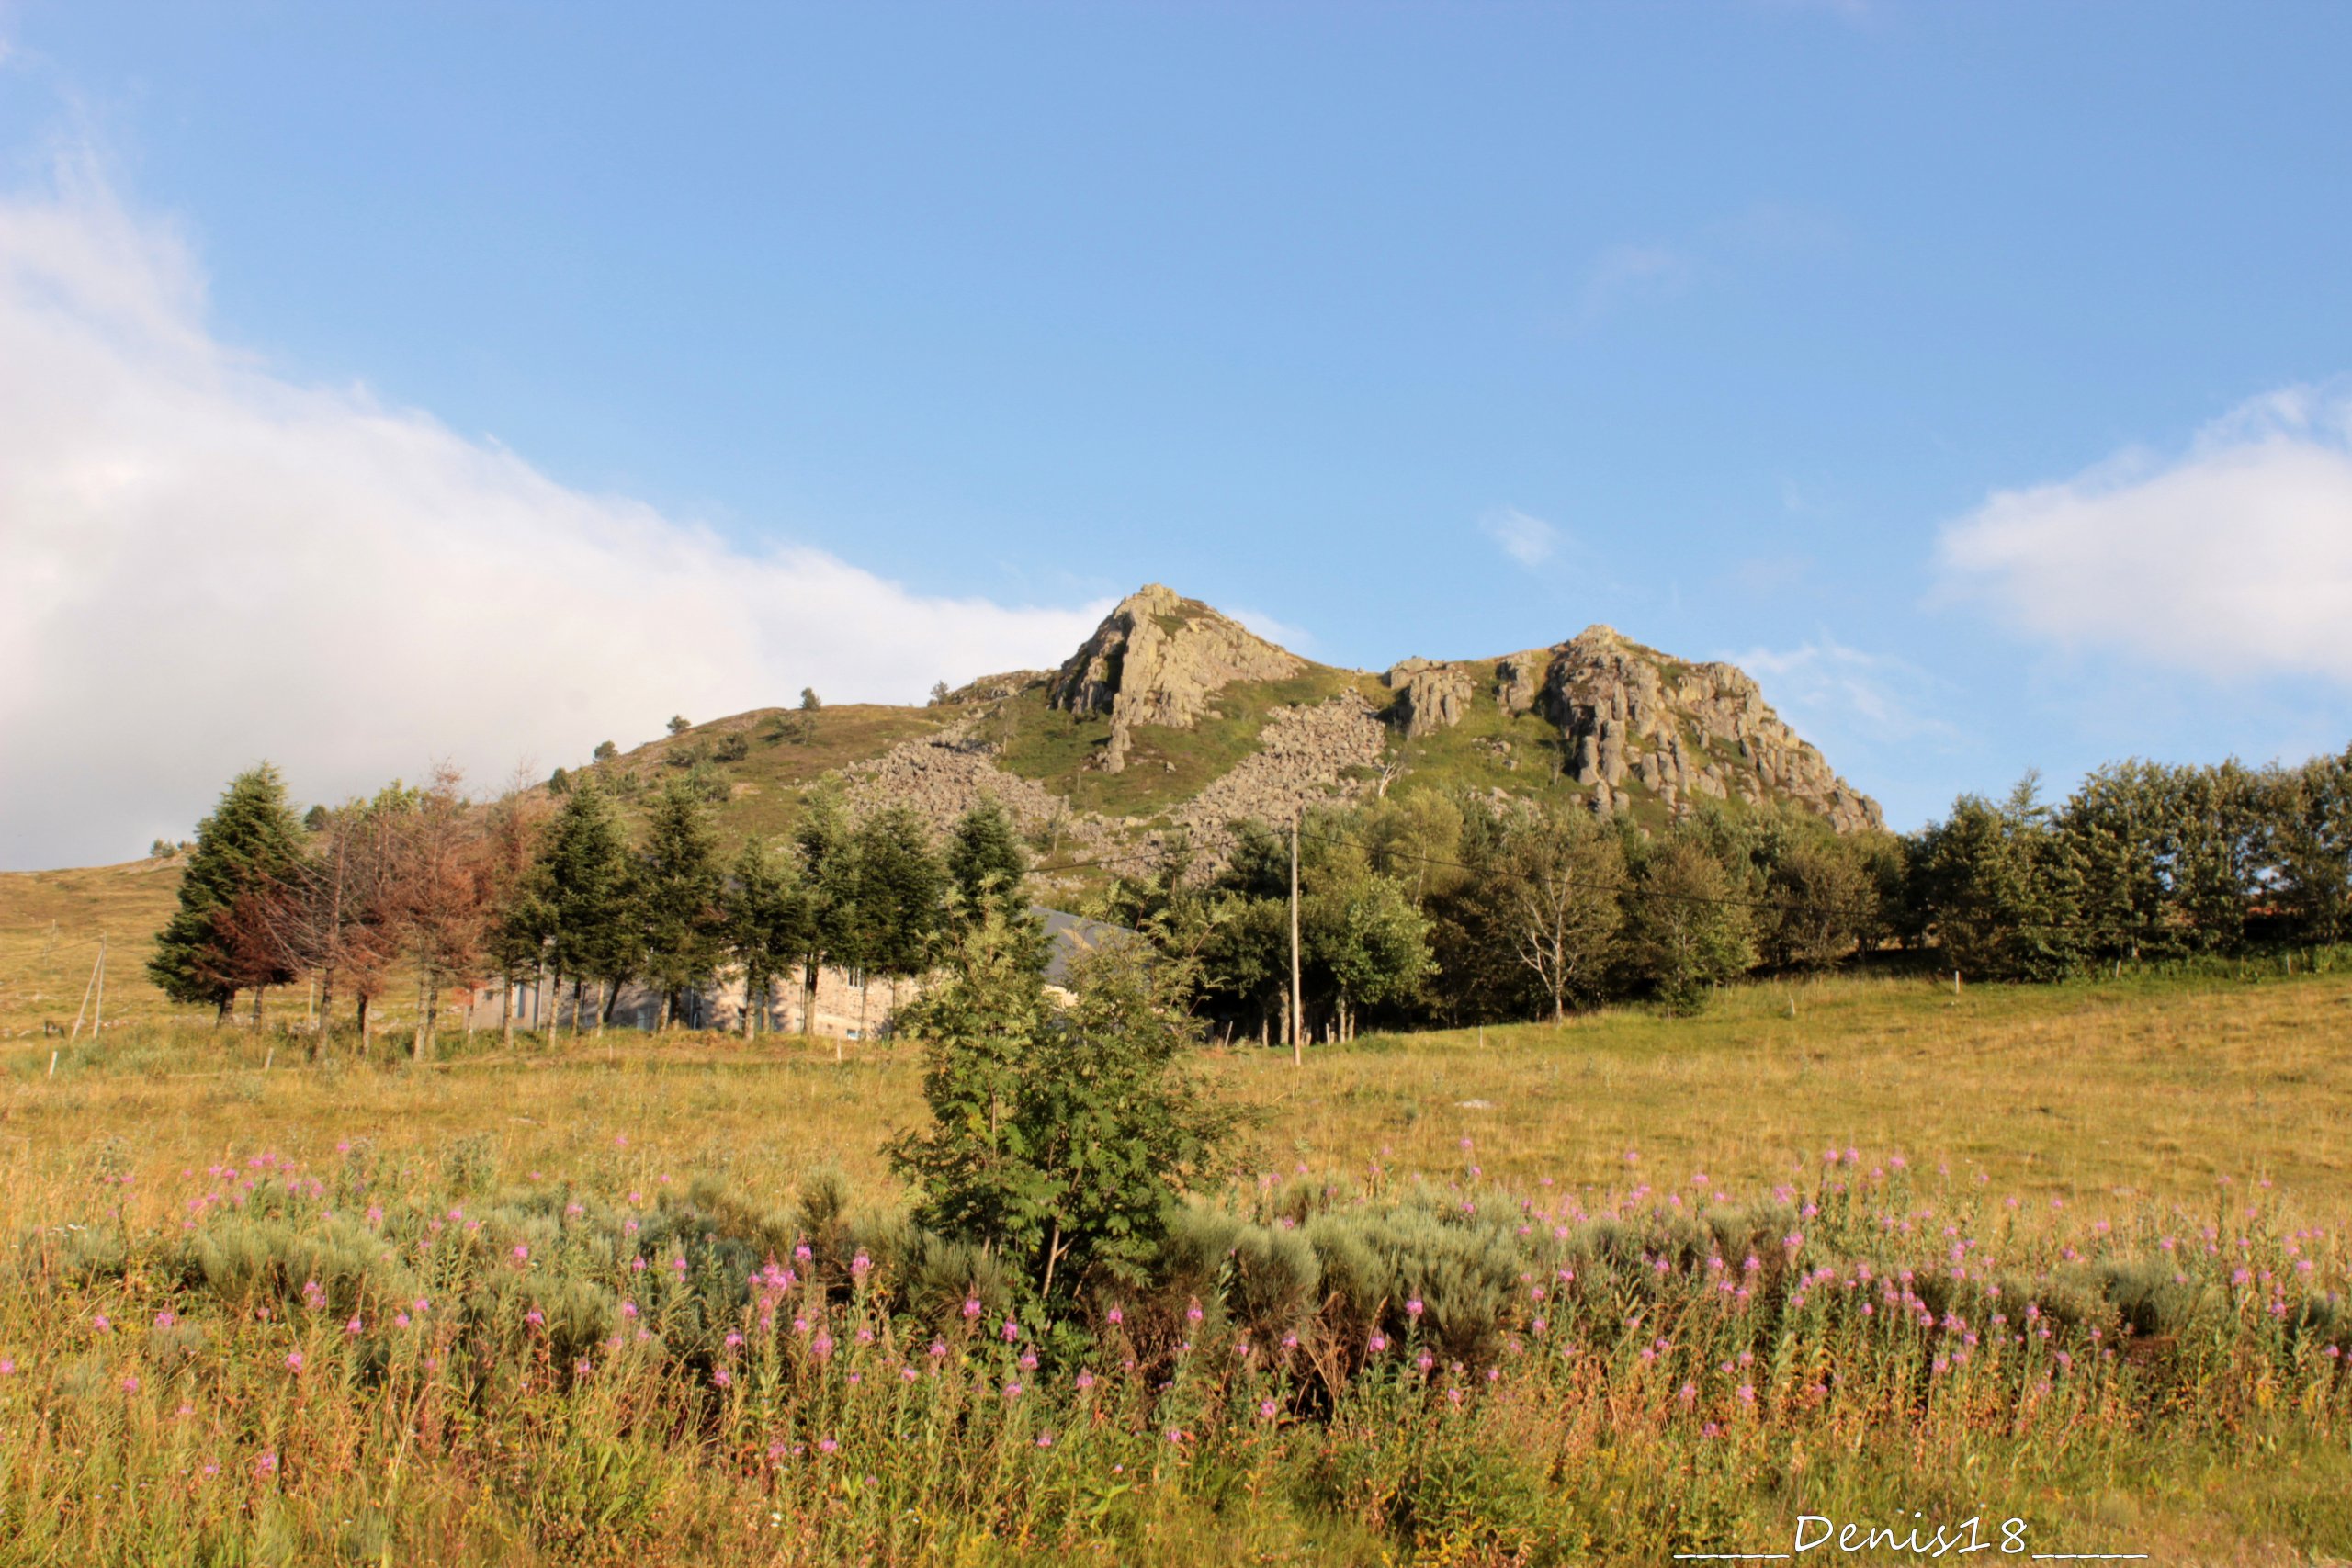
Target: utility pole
1297, 1027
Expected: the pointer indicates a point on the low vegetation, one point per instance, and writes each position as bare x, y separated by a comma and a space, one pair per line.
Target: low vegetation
2069, 1256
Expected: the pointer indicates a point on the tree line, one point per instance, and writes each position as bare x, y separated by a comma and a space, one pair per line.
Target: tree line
1415, 908
1463, 909
553, 894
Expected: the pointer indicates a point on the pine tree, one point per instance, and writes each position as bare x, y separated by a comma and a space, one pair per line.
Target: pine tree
901, 898
2001, 890
515, 931
576, 896
247, 846
767, 920
828, 881
2308, 841
987, 867
679, 897
988, 862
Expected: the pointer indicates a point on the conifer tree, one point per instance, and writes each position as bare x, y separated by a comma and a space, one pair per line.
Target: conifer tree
2001, 889
988, 862
2308, 841
828, 854
987, 867
767, 919
248, 845
511, 940
576, 896
902, 897
680, 894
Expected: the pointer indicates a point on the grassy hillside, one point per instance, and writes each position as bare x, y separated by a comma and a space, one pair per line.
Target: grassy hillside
782, 751
756, 766
50, 922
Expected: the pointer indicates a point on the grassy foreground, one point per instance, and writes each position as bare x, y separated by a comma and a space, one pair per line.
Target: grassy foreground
2084, 1268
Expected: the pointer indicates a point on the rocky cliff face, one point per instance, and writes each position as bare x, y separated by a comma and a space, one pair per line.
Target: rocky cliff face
1157, 659
1684, 730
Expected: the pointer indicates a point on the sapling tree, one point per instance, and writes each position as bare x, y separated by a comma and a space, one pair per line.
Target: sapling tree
1062, 1139
988, 862
576, 894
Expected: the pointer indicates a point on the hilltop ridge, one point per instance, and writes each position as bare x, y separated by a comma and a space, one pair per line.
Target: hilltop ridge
1174, 718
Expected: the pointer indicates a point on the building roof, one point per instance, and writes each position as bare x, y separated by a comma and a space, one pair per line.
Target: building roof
1071, 935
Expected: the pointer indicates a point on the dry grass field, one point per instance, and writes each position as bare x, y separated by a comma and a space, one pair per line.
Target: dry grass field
2106, 1096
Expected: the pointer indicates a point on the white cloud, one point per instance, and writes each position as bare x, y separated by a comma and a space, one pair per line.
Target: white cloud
1831, 693
2232, 559
1633, 271
1527, 540
203, 563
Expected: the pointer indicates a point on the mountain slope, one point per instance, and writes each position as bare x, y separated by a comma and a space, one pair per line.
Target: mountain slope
1175, 716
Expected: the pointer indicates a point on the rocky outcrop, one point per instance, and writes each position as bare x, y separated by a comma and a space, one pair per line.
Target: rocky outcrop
1682, 731
1304, 757
1519, 679
1158, 659
1430, 696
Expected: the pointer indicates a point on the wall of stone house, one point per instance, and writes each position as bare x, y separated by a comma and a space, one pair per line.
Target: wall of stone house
844, 1009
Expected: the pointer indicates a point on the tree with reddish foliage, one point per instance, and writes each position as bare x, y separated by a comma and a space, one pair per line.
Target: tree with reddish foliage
322, 916
439, 898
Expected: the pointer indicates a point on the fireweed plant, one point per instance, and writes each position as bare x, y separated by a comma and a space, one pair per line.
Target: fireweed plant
374, 1353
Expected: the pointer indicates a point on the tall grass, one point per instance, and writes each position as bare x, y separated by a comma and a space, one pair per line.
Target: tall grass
426, 1356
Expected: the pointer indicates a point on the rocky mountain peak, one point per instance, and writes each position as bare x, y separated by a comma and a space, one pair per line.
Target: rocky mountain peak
1157, 659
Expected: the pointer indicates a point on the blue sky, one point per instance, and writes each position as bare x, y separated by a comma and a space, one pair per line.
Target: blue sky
1970, 372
